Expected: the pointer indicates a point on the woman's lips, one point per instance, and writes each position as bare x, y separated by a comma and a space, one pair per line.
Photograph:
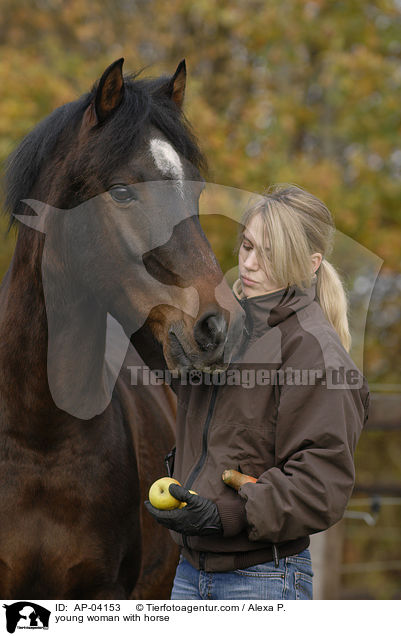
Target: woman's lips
248, 281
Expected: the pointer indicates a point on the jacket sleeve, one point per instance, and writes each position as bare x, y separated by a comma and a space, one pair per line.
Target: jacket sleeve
317, 429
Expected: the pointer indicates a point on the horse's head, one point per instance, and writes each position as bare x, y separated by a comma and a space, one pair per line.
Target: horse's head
125, 169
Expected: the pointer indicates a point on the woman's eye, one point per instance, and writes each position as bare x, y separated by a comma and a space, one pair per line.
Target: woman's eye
246, 247
122, 194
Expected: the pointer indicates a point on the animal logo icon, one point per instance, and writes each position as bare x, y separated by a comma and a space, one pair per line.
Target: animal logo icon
26, 615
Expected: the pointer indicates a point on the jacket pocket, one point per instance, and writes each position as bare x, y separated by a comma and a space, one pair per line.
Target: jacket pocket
257, 452
250, 449
250, 468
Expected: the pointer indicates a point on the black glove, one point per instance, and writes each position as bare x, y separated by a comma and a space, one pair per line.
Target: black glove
199, 517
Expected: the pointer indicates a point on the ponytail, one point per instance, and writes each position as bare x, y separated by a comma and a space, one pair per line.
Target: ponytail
333, 301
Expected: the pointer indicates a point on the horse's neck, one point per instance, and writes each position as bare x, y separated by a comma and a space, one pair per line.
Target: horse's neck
47, 365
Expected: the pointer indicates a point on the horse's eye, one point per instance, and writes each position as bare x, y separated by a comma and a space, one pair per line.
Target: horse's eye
122, 194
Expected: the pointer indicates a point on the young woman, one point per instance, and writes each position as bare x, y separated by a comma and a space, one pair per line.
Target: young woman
288, 412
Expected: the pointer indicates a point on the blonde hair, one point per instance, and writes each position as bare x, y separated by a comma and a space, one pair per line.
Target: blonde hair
297, 224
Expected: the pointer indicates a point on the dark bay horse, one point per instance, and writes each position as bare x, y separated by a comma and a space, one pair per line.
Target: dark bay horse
72, 488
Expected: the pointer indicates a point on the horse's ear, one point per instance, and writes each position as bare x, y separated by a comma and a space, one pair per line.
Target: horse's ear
110, 91
174, 88
109, 94
177, 84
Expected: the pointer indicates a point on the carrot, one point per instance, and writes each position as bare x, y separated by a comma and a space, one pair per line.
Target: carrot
236, 479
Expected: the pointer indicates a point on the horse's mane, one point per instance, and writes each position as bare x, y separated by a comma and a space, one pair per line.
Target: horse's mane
144, 102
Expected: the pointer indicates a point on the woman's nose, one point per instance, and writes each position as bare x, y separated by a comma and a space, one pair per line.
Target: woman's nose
251, 262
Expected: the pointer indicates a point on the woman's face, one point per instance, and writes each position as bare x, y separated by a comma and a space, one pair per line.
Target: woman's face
254, 279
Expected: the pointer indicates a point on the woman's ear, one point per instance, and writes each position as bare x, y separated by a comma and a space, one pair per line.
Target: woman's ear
316, 260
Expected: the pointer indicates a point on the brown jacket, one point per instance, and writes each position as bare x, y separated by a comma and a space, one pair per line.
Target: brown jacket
289, 412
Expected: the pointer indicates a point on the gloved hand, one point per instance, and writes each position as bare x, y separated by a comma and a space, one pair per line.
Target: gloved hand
199, 517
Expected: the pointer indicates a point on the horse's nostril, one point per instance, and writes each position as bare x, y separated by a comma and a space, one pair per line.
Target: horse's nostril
216, 325
210, 330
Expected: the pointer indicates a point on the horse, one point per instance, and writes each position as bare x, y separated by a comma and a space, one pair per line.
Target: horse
74, 472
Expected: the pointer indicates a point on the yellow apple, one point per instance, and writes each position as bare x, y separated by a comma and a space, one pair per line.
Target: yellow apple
159, 494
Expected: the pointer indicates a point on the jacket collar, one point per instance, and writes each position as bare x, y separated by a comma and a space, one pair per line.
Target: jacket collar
268, 310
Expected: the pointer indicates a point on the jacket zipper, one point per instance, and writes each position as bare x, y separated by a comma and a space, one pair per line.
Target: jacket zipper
247, 328
195, 472
201, 461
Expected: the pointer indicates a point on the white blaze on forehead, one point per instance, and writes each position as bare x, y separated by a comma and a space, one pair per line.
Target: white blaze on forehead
166, 159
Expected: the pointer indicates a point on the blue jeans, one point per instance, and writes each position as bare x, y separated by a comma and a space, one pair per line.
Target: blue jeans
292, 580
